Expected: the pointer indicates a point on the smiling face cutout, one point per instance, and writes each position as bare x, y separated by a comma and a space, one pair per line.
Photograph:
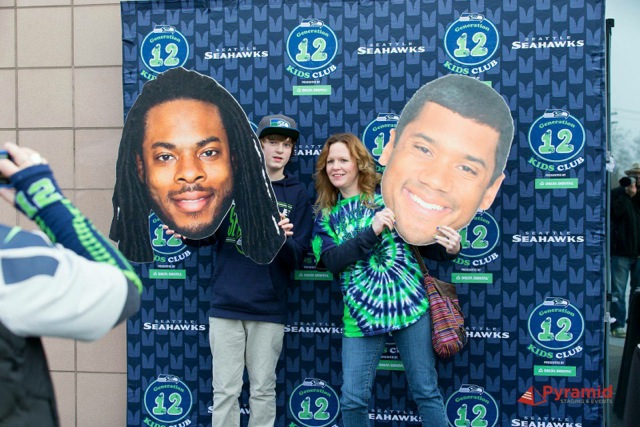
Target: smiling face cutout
439, 172
186, 166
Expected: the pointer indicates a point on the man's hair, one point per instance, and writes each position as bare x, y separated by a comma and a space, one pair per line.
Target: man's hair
279, 137
471, 99
255, 200
368, 178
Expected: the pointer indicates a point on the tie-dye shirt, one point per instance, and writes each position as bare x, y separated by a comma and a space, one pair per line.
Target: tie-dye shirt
382, 292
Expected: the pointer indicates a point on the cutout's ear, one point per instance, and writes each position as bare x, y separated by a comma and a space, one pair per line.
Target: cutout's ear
388, 148
140, 168
491, 193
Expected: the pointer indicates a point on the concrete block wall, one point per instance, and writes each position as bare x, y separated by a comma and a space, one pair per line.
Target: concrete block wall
61, 92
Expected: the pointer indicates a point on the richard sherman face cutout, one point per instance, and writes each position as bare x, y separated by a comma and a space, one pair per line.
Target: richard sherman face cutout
188, 153
445, 160
186, 166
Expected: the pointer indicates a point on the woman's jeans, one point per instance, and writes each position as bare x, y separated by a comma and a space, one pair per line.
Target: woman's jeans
360, 357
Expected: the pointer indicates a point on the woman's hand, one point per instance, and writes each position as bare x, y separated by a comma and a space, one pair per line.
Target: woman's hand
382, 219
450, 239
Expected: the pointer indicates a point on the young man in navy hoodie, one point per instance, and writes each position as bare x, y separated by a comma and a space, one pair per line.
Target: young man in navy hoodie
248, 300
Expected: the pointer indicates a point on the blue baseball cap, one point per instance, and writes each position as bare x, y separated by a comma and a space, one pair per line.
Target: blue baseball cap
278, 124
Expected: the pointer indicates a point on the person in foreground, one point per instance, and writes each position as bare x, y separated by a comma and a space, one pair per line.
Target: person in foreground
70, 283
355, 238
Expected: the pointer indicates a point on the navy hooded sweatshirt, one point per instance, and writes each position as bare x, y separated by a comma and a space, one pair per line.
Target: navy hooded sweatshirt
244, 290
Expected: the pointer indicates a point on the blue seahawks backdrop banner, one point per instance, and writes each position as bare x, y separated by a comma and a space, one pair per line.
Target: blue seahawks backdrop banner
531, 274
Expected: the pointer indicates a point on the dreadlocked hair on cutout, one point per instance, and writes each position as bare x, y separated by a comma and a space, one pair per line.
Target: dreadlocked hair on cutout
255, 200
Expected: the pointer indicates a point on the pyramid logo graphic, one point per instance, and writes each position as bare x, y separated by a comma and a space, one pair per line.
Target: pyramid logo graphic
532, 397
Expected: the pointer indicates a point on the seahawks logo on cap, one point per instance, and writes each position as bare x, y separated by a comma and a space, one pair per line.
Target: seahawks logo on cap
279, 123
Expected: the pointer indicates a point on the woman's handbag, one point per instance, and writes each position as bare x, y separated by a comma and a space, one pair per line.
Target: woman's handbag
448, 334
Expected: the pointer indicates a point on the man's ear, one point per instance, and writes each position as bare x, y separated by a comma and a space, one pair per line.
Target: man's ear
388, 148
491, 193
140, 168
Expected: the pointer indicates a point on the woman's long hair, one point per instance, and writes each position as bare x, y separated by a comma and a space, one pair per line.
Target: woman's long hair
255, 200
368, 178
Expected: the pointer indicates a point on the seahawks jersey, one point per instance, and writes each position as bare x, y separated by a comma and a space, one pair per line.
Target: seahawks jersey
47, 290
51, 290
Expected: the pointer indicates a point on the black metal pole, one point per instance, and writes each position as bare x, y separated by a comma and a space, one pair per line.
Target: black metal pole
609, 25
